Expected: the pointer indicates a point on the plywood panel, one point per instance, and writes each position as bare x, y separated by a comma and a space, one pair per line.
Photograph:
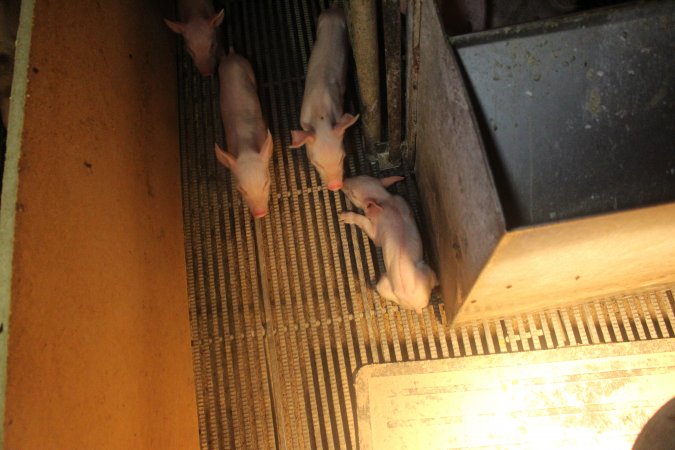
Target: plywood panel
456, 187
99, 351
567, 262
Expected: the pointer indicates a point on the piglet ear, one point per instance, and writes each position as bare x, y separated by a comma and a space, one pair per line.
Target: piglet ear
216, 20
225, 158
301, 137
267, 148
388, 181
176, 27
372, 209
346, 121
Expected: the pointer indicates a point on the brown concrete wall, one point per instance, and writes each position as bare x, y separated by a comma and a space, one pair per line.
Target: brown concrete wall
99, 351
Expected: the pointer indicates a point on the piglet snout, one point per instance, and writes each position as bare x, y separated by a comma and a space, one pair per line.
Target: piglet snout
259, 213
335, 185
206, 72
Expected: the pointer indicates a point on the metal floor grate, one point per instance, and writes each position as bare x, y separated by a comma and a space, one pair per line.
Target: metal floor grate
283, 312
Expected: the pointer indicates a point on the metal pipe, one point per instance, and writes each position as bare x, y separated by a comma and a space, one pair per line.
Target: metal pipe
362, 20
391, 14
413, 14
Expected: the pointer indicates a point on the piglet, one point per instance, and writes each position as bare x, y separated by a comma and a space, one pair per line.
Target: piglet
199, 28
321, 118
389, 222
249, 142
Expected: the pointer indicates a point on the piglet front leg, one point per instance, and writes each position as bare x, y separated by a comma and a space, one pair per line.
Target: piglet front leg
360, 221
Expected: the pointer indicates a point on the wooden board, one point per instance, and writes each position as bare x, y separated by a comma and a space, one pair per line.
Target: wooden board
568, 262
99, 336
459, 200
583, 397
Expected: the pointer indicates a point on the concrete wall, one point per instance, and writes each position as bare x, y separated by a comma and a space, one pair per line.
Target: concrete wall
99, 339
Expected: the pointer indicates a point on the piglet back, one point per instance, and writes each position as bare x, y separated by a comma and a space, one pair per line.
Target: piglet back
245, 128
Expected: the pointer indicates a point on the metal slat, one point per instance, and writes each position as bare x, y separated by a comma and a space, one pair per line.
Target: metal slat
524, 335
203, 303
289, 348
569, 331
590, 323
578, 326
441, 327
667, 304
290, 222
534, 332
646, 313
602, 321
200, 378
656, 315
546, 329
215, 274
327, 427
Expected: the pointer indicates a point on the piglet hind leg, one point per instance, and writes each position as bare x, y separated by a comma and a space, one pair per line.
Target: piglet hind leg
386, 290
429, 274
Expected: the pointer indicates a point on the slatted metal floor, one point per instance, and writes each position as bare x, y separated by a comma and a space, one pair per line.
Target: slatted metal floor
283, 311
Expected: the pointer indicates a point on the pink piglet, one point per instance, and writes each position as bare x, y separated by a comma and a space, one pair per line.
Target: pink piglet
388, 221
